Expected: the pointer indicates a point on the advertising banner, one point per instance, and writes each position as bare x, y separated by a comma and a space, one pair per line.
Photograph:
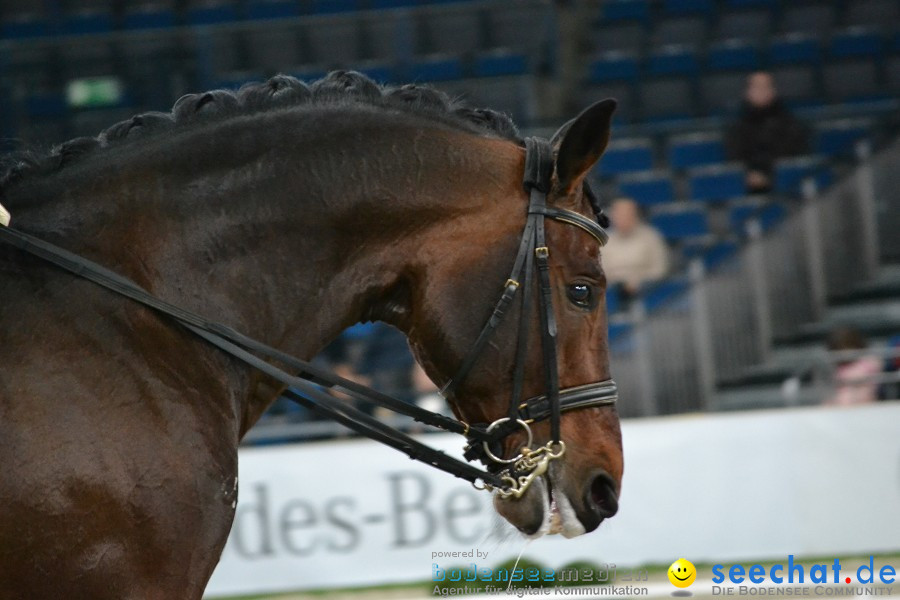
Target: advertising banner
805, 482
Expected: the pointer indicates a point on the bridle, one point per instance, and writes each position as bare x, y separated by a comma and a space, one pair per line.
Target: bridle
509, 477
533, 256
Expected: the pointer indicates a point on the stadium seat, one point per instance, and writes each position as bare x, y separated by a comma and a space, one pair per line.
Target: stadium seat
744, 24
451, 32
689, 7
674, 59
45, 105
624, 37
670, 98
723, 92
688, 31
324, 7
436, 67
613, 298
712, 254
272, 9
500, 62
381, 72
24, 25
626, 156
390, 4
856, 42
320, 41
696, 150
149, 17
716, 183
892, 74
791, 172
87, 22
733, 55
753, 3
872, 13
211, 12
796, 84
815, 18
768, 213
614, 66
616, 11
506, 26
839, 137
795, 48
276, 47
851, 80
656, 295
648, 188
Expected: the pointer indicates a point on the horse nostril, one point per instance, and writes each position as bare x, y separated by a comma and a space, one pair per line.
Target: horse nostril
602, 496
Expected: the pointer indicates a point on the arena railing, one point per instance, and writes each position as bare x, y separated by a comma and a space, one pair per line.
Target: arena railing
673, 359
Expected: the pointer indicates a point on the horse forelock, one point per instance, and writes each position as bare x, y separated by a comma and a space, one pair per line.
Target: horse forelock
279, 92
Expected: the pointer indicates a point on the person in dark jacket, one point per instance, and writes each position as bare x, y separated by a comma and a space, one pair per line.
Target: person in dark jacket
765, 131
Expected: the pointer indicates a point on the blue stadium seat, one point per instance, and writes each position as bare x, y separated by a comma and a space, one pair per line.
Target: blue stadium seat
667, 99
438, 67
673, 60
387, 4
716, 183
87, 22
614, 66
379, 71
23, 26
814, 17
769, 214
45, 105
733, 55
795, 48
791, 172
658, 294
648, 188
272, 9
872, 13
624, 37
753, 3
499, 63
855, 81
613, 298
689, 7
210, 13
839, 137
149, 17
696, 150
687, 31
325, 7
856, 42
616, 11
712, 255
744, 25
619, 330
626, 156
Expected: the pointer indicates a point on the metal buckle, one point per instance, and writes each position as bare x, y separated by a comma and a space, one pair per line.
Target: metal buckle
534, 464
542, 252
511, 283
508, 461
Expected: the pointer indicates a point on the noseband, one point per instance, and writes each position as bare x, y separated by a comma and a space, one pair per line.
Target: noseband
309, 385
532, 257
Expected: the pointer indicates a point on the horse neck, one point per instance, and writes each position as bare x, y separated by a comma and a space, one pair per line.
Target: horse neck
290, 237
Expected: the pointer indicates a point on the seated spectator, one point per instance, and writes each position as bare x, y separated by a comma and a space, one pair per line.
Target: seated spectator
854, 375
636, 252
765, 131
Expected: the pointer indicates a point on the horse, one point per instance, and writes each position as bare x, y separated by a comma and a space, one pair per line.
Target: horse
288, 211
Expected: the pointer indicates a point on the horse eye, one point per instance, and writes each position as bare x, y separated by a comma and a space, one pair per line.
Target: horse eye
581, 294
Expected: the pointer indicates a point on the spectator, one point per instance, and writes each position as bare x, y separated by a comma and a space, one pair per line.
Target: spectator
765, 131
636, 252
854, 373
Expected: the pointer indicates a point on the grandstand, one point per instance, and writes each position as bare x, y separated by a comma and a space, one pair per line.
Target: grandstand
760, 279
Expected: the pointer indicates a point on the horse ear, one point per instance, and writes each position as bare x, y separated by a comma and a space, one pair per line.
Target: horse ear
581, 142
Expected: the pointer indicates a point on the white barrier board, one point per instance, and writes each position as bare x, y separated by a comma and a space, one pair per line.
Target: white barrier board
736, 486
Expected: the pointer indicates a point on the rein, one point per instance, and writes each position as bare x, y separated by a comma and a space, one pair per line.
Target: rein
309, 387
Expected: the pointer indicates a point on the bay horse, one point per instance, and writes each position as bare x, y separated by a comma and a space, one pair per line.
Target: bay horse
287, 211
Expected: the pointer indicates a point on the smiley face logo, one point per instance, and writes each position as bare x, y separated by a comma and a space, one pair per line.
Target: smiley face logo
682, 573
